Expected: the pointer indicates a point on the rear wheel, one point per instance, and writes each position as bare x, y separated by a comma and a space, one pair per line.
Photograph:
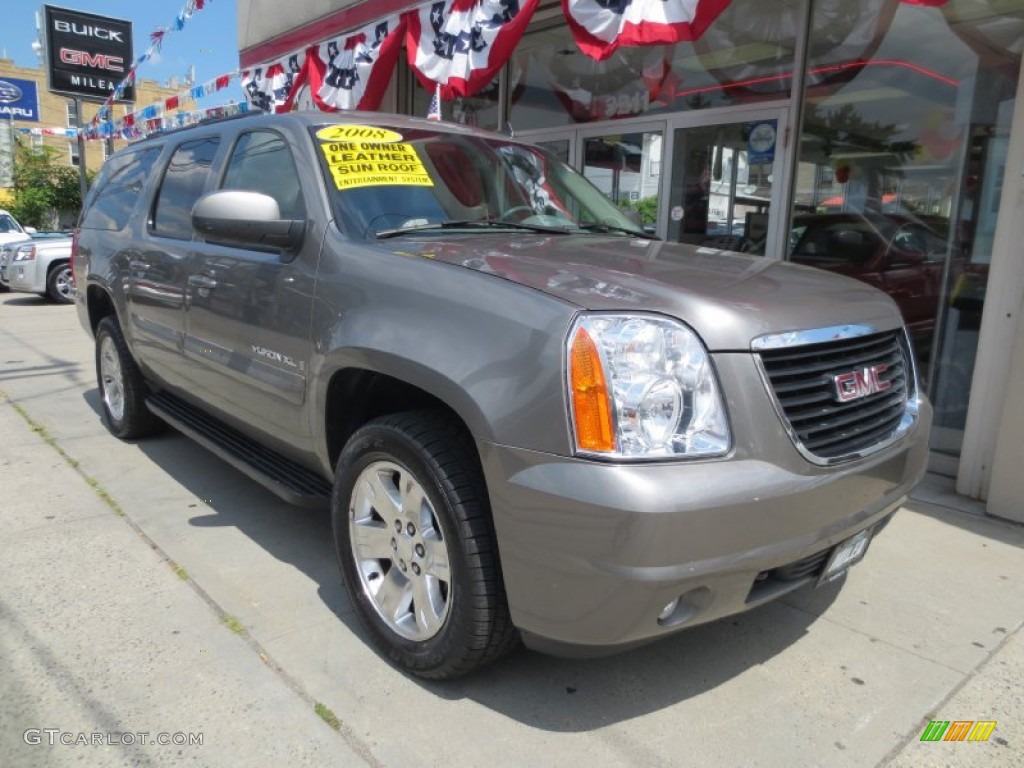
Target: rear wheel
415, 543
59, 285
123, 391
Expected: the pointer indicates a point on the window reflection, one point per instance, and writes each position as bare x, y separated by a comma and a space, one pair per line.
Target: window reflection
906, 121
745, 56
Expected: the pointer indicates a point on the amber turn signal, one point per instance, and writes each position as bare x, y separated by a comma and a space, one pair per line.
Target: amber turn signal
591, 405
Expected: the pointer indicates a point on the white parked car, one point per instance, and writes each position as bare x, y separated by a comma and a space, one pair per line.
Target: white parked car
11, 231
40, 264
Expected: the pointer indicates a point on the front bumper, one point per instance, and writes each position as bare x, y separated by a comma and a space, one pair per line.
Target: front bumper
20, 275
593, 552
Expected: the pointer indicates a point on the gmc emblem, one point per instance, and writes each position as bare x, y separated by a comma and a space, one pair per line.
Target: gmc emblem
96, 61
857, 384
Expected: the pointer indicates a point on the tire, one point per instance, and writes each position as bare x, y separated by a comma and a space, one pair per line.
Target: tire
430, 596
59, 286
123, 391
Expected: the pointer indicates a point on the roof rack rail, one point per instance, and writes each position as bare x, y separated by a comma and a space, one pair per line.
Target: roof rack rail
204, 121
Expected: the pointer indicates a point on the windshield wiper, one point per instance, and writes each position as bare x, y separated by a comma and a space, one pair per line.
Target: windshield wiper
601, 226
470, 224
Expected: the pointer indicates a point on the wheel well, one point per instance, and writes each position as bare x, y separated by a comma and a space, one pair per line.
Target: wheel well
55, 264
355, 396
100, 305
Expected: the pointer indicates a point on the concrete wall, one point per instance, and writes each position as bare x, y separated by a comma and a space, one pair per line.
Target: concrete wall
53, 112
1006, 490
990, 458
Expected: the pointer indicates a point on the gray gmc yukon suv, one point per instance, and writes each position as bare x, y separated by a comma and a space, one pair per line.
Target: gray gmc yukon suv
528, 418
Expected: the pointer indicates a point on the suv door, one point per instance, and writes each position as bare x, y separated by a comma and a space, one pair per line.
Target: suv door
158, 272
248, 310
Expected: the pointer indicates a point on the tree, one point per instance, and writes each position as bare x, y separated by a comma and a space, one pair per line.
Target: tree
42, 187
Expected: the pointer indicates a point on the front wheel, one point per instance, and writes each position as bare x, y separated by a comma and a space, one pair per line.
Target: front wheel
59, 284
123, 390
416, 547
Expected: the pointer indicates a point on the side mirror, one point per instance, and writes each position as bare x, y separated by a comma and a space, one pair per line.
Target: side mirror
31, 231
898, 258
236, 216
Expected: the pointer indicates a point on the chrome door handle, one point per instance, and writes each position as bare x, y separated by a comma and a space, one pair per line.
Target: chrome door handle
202, 281
139, 265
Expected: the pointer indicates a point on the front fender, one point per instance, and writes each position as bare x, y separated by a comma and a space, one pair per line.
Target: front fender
490, 349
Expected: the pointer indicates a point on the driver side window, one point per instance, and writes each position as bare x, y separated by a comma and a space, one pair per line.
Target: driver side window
262, 162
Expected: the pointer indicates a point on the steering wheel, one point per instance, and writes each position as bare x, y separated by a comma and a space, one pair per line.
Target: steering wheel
524, 209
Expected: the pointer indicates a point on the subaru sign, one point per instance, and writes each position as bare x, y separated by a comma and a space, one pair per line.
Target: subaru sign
18, 100
87, 55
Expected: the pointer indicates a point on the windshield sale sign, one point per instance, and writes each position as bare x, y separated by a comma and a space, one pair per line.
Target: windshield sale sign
18, 100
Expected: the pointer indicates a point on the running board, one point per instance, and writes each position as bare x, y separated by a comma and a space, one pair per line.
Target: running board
287, 479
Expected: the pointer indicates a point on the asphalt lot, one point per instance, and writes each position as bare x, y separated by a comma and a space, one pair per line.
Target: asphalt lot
124, 622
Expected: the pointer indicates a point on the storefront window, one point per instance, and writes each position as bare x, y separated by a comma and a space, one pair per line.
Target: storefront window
480, 110
906, 122
745, 56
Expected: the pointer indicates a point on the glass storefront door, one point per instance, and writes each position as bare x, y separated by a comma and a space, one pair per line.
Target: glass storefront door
722, 192
626, 167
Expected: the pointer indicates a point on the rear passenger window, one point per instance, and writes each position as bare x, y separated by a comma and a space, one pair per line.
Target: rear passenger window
182, 185
262, 162
116, 191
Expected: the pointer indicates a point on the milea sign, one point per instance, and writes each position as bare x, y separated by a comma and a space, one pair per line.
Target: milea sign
87, 55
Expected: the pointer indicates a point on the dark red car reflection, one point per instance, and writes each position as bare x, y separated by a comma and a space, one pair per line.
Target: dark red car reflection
902, 255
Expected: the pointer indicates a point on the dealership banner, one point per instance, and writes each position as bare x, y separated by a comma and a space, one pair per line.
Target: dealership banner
358, 66
87, 55
461, 44
18, 100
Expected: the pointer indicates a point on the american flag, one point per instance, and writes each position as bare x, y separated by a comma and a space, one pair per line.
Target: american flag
434, 111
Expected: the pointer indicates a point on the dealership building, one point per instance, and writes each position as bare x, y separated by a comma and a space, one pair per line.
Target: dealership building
883, 139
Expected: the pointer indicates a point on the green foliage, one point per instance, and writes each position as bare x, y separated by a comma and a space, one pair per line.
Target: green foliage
647, 208
42, 187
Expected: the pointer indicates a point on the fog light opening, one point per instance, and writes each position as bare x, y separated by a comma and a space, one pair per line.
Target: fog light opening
667, 611
686, 607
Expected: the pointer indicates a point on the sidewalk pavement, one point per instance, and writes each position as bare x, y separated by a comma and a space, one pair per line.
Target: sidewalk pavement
100, 638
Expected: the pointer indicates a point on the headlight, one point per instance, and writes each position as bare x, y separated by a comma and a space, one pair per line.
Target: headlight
25, 253
642, 387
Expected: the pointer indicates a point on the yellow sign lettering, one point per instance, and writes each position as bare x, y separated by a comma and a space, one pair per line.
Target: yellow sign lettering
373, 162
357, 133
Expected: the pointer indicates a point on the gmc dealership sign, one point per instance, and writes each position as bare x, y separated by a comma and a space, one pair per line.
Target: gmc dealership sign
88, 55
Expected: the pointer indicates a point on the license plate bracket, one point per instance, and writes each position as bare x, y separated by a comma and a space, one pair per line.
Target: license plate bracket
846, 554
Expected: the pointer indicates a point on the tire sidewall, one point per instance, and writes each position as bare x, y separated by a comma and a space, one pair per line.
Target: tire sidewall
108, 328
51, 283
381, 443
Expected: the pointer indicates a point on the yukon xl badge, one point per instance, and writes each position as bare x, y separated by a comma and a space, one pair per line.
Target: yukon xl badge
271, 354
861, 383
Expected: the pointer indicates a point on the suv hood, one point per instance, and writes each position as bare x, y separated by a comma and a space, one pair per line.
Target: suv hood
728, 298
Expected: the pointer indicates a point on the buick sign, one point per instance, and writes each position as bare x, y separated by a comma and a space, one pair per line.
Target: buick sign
19, 100
88, 55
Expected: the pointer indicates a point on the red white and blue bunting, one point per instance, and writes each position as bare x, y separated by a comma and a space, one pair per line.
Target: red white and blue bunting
601, 26
358, 67
461, 44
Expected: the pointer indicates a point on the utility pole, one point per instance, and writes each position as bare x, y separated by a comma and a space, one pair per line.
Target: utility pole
83, 179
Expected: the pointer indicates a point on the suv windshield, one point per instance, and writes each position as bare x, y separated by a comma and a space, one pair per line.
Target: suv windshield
8, 224
385, 183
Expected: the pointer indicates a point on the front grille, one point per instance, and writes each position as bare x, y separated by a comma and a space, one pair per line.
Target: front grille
778, 581
803, 380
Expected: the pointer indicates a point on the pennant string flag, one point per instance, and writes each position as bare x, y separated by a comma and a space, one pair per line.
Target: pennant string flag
156, 42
